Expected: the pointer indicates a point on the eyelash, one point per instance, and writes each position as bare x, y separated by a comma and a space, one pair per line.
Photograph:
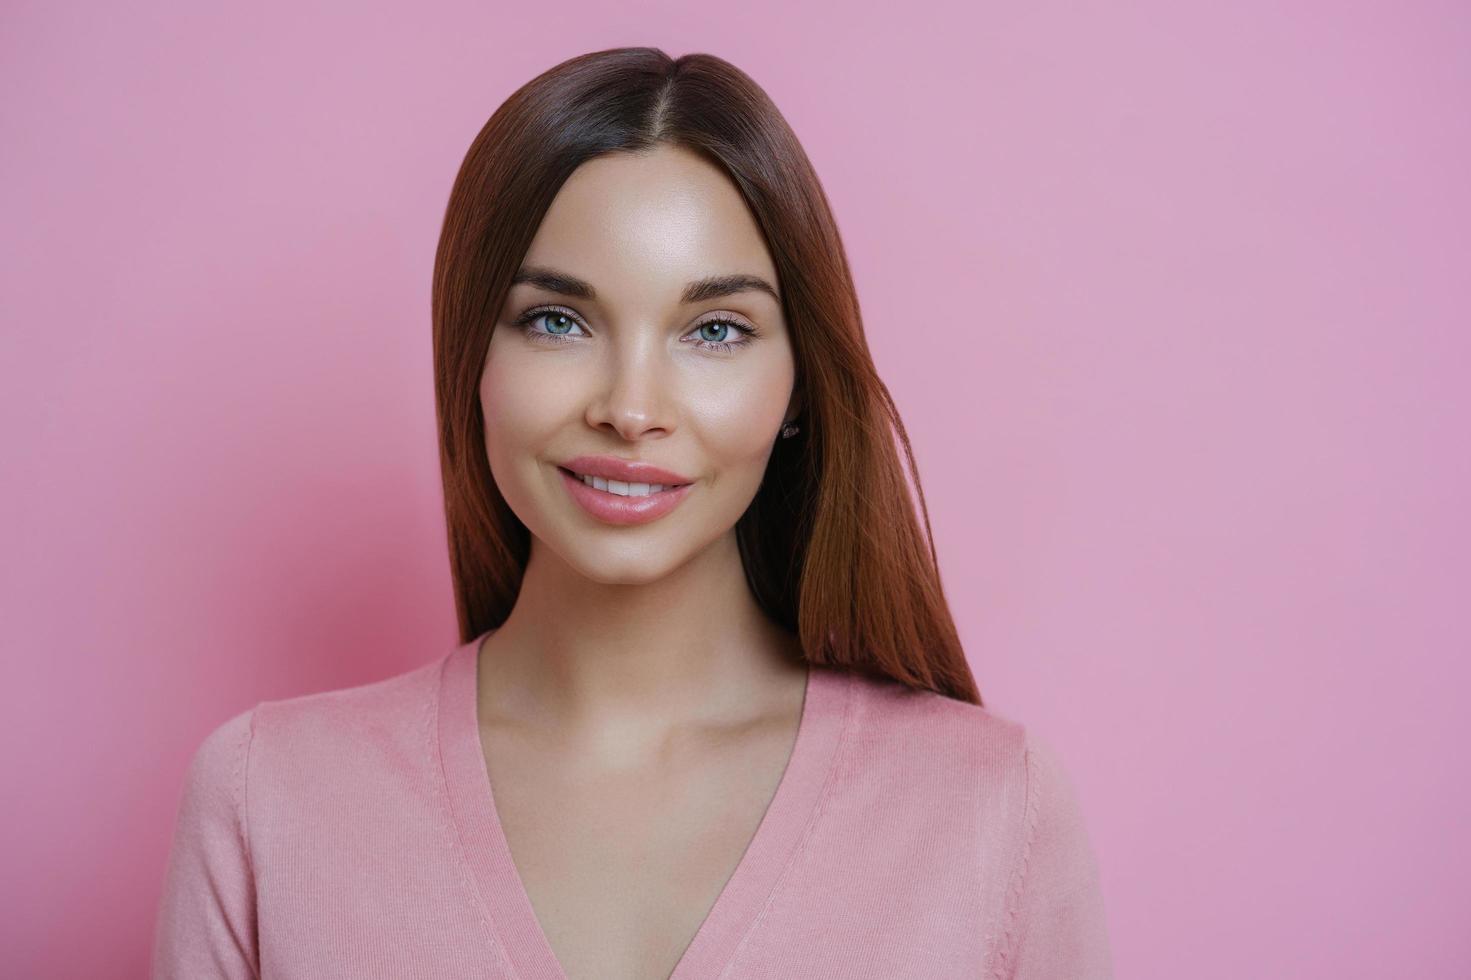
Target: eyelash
525, 321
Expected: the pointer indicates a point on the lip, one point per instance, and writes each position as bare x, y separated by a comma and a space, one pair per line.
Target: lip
612, 508
625, 470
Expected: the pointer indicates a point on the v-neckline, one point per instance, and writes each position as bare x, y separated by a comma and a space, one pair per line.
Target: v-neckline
777, 840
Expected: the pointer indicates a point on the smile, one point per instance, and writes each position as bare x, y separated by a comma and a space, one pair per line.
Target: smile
617, 502
623, 489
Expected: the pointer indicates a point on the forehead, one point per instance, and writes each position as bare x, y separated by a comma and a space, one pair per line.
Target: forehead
640, 226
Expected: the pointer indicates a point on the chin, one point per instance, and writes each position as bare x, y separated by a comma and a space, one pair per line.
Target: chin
616, 565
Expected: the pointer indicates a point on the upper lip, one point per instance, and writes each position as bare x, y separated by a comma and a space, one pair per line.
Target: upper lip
623, 470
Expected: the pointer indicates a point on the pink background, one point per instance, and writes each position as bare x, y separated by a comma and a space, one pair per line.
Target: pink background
1173, 298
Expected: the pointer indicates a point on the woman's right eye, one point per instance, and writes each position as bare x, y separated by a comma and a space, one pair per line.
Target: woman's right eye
556, 323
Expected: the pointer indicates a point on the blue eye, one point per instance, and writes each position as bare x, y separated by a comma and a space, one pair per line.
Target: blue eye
559, 323
564, 322
726, 328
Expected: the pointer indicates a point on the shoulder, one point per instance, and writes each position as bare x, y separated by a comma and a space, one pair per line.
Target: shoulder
297, 775
319, 742
214, 783
318, 738
982, 739
1055, 922
358, 713
900, 725
1007, 776
205, 913
1001, 797
223, 751
941, 770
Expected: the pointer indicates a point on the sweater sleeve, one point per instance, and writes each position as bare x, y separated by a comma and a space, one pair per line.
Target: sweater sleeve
1058, 928
206, 923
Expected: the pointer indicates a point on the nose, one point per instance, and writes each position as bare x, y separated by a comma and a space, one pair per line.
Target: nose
633, 395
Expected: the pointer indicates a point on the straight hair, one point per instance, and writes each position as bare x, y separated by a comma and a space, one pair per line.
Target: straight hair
831, 544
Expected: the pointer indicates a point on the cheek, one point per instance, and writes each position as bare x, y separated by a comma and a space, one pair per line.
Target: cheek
737, 421
516, 400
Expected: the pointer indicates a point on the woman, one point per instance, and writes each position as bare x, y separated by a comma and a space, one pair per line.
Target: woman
709, 715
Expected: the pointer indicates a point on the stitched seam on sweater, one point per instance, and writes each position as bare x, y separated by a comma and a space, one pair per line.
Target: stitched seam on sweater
1019, 875
453, 840
241, 777
822, 800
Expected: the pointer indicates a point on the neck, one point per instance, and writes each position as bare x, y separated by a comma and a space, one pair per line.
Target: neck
691, 649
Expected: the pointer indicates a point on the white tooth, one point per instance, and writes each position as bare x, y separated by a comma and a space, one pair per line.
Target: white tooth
621, 488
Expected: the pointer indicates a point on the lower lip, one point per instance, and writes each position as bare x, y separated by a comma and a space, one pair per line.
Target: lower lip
611, 508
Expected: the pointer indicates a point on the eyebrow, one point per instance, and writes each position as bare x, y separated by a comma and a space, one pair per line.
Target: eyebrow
697, 291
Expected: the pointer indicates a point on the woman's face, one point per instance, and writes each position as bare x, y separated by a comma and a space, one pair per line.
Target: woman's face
638, 370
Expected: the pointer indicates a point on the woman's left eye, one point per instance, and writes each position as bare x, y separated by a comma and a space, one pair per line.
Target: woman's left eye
710, 334
727, 328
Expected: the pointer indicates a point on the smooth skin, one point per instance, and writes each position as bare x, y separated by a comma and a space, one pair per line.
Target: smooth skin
637, 708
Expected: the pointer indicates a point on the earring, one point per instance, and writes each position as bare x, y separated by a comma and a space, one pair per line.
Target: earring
789, 430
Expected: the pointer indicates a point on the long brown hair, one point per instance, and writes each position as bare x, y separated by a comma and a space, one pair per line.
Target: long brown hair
831, 544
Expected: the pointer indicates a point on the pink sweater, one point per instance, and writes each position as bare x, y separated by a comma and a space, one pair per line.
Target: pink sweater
352, 833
